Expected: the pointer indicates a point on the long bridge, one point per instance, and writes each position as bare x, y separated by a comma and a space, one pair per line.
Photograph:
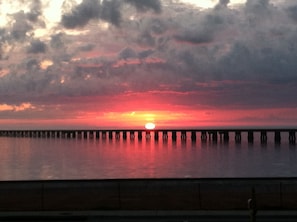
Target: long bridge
205, 134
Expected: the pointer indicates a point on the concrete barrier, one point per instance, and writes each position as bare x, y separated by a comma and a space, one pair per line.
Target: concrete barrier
159, 195
148, 194
289, 194
80, 195
20, 196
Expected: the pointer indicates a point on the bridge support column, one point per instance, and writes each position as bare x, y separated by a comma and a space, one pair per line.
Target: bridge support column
263, 137
117, 135
147, 134
124, 135
193, 136
226, 136
110, 135
156, 135
214, 135
165, 135
103, 134
85, 134
183, 135
132, 134
277, 137
174, 137
91, 134
238, 137
250, 136
97, 134
292, 137
139, 135
79, 135
203, 136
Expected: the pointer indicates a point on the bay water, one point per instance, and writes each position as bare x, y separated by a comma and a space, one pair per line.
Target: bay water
59, 158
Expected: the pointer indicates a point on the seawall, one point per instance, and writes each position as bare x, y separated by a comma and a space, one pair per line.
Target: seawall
148, 194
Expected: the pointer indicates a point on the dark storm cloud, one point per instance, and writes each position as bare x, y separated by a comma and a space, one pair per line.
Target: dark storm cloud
57, 41
224, 2
258, 8
36, 46
107, 10
205, 26
195, 36
81, 14
127, 53
144, 5
32, 64
146, 39
87, 47
35, 11
292, 12
24, 23
145, 53
20, 26
110, 12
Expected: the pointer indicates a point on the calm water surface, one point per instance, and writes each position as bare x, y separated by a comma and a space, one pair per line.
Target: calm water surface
46, 159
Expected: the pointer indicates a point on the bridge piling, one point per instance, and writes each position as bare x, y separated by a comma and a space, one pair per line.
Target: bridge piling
132, 134
292, 137
193, 135
156, 135
226, 136
183, 135
174, 136
97, 134
165, 135
139, 135
277, 137
203, 136
214, 136
250, 136
238, 136
110, 135
263, 137
117, 135
147, 134
124, 135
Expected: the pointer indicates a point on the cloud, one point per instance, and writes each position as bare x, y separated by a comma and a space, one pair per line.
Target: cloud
127, 53
20, 26
36, 46
87, 47
32, 64
57, 41
110, 12
222, 57
22, 107
35, 11
144, 5
107, 10
292, 12
81, 14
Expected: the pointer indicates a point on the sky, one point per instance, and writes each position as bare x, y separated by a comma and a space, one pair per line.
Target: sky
123, 63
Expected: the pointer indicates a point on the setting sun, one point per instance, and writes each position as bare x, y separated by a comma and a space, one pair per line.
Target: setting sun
150, 126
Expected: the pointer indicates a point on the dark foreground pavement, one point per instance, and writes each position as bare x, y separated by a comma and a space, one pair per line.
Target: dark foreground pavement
148, 216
